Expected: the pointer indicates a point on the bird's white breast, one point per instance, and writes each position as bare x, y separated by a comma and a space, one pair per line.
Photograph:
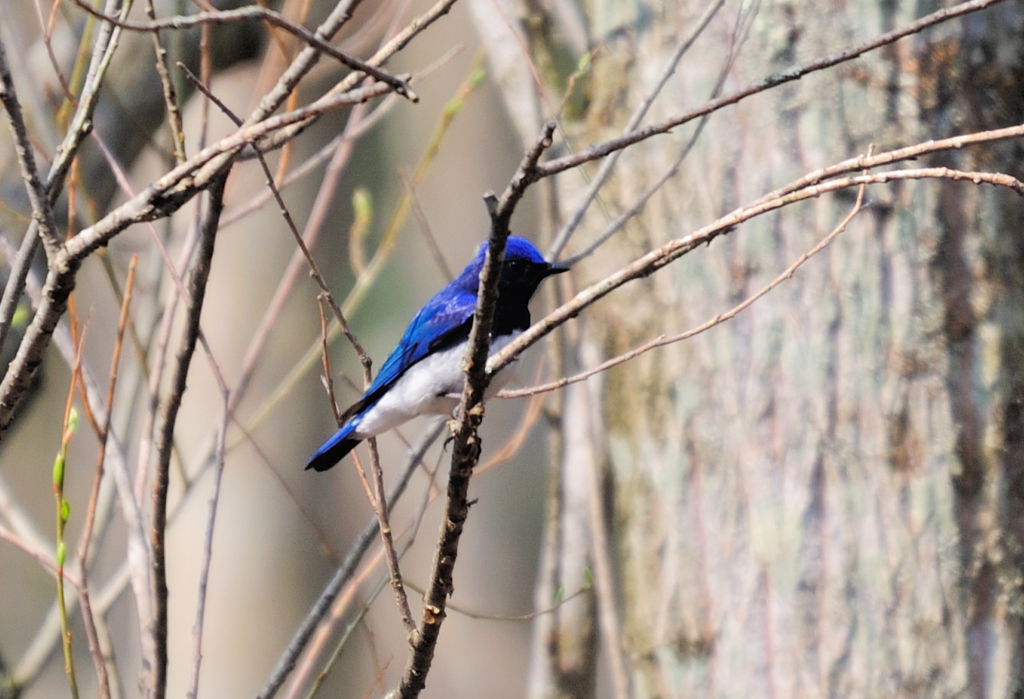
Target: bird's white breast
431, 386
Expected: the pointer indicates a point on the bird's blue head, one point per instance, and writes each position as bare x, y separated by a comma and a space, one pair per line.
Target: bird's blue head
523, 271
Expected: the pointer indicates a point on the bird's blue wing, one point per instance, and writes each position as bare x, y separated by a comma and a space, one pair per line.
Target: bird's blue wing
443, 322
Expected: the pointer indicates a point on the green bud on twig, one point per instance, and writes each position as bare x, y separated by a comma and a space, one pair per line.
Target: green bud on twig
58, 471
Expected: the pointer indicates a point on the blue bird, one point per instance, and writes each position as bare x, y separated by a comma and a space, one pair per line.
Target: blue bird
423, 374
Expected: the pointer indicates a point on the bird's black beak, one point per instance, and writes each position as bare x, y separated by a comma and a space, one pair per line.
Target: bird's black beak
556, 268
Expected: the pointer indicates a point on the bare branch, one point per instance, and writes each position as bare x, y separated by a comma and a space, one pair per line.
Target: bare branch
380, 507
42, 209
413, 29
663, 340
466, 443
656, 259
255, 12
88, 617
345, 571
170, 98
631, 125
204, 570
165, 432
81, 125
162, 197
552, 167
314, 269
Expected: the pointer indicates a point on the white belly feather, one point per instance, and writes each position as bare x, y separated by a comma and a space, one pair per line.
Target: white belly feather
432, 386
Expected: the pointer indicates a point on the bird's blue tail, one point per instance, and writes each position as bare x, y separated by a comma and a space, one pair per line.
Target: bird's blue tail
333, 450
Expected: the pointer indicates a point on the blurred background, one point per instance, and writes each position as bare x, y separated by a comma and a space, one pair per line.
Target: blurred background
821, 497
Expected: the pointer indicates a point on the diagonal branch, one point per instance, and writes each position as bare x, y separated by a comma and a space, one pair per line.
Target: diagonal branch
599, 150
255, 12
663, 340
673, 250
396, 44
599, 178
162, 197
345, 571
81, 125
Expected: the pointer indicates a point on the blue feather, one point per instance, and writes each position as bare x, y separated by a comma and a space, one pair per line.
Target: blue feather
441, 325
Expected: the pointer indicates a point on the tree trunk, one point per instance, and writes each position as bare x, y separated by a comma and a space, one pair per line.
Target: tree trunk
824, 495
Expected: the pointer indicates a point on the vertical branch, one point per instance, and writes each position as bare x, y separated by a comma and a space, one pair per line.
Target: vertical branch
204, 575
198, 278
88, 619
42, 210
465, 455
170, 98
466, 446
63, 510
380, 506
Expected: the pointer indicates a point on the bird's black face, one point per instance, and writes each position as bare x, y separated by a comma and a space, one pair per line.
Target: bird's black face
520, 277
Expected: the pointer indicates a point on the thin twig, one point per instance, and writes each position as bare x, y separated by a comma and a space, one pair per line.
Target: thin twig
47, 29
314, 270
514, 443
170, 98
355, 622
158, 361
663, 340
42, 209
159, 199
137, 566
255, 12
599, 150
424, 225
103, 681
601, 176
328, 380
634, 210
344, 600
362, 284
380, 507
355, 127
43, 555
528, 616
671, 251
81, 125
165, 432
341, 148
342, 604
204, 569
399, 42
